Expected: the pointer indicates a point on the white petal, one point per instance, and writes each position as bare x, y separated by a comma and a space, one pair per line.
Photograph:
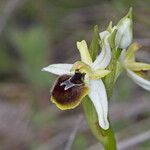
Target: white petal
98, 96
139, 80
103, 60
58, 69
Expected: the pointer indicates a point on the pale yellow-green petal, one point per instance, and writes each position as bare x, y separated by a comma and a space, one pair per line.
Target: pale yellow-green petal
138, 66
99, 73
130, 53
84, 53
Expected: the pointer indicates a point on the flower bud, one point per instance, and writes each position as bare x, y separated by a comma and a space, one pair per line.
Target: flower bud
124, 34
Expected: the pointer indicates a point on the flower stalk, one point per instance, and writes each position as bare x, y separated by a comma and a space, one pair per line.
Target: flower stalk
105, 137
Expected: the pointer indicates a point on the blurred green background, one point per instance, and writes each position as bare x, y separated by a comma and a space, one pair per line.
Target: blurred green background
34, 34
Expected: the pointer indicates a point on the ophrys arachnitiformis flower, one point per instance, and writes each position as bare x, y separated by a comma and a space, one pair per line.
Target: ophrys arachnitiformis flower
83, 78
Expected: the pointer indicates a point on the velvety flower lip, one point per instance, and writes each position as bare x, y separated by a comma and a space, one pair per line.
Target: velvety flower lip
70, 95
76, 80
132, 67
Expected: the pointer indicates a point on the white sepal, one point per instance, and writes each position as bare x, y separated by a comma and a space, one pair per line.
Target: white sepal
103, 60
58, 69
98, 96
139, 80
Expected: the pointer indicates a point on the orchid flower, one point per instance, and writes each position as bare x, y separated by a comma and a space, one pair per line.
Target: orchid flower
82, 78
135, 69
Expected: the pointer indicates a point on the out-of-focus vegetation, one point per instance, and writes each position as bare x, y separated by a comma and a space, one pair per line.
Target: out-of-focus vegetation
37, 33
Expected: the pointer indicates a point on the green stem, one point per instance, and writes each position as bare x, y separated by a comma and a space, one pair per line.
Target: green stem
110, 143
106, 137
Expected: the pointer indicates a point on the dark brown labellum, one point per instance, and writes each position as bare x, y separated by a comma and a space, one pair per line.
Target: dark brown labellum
68, 91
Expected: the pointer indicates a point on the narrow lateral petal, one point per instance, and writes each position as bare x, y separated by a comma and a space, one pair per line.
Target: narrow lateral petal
84, 53
139, 80
138, 66
103, 60
130, 53
98, 96
58, 69
99, 73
